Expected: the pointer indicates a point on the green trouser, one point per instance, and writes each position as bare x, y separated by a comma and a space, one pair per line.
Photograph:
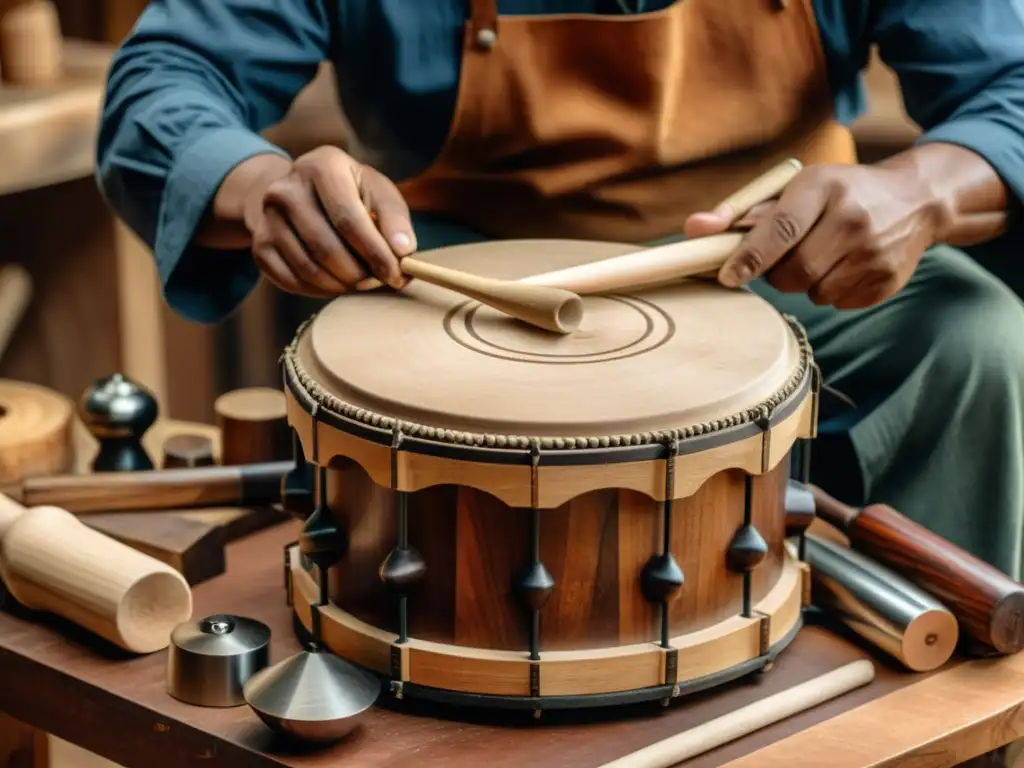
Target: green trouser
936, 379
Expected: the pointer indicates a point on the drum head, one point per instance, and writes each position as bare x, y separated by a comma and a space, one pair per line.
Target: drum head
657, 359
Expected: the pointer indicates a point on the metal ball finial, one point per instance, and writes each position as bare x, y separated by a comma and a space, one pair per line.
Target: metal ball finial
117, 411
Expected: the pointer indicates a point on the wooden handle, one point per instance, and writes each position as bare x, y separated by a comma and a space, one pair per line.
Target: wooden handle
988, 604
15, 295
249, 485
50, 561
675, 261
746, 720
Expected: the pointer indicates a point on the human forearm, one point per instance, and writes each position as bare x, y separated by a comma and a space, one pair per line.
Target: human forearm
958, 187
224, 226
961, 72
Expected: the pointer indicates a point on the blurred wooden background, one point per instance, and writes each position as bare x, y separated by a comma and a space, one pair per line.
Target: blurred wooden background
97, 308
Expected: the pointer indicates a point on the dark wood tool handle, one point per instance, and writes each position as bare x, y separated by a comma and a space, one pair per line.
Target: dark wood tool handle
245, 485
988, 604
801, 508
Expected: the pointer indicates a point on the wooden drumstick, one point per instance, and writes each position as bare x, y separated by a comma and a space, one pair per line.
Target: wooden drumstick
675, 261
552, 309
988, 604
629, 272
50, 561
748, 719
151, 490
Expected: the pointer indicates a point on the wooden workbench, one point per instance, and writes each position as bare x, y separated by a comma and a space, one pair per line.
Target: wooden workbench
57, 679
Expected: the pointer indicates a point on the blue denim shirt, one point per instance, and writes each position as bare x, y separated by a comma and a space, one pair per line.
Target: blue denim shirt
196, 81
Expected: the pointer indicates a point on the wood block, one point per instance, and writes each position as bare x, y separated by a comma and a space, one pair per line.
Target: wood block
193, 540
193, 548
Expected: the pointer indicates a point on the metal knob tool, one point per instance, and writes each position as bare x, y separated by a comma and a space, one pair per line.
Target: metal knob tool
117, 412
210, 660
315, 696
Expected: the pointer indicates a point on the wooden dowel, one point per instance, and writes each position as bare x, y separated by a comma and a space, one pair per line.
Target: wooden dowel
552, 309
746, 720
675, 261
988, 604
50, 561
248, 485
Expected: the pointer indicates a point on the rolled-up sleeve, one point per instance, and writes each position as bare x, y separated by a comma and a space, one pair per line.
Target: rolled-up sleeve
961, 69
188, 92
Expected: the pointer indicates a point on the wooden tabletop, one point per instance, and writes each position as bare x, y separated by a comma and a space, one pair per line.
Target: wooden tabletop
60, 680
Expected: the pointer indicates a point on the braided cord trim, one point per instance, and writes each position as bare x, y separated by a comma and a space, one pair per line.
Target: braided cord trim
296, 373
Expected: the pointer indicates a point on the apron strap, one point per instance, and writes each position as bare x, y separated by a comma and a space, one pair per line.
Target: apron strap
483, 15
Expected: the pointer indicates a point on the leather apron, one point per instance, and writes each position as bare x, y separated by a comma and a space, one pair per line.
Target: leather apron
618, 127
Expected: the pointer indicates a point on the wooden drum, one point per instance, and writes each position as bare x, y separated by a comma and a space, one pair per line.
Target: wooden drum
524, 519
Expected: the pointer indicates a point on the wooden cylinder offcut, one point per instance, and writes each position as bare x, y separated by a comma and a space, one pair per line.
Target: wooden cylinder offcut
35, 431
50, 561
31, 45
254, 426
186, 451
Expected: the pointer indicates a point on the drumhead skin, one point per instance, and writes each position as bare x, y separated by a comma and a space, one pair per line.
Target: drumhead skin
658, 359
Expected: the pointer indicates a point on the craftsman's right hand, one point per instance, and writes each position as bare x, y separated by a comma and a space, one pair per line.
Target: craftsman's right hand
326, 223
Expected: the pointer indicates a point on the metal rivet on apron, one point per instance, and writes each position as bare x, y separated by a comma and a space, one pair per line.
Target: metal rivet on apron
486, 38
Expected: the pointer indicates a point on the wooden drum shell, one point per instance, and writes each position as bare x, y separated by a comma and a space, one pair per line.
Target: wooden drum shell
467, 632
594, 547
463, 492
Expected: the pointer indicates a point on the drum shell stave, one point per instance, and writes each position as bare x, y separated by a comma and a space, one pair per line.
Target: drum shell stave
594, 547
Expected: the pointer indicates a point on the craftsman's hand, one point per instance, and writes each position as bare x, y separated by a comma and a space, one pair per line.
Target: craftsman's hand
848, 236
322, 224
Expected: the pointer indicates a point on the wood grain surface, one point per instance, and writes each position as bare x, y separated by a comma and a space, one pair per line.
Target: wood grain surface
60, 681
595, 547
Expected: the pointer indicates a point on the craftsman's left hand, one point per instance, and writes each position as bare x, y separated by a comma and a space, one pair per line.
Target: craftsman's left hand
848, 236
